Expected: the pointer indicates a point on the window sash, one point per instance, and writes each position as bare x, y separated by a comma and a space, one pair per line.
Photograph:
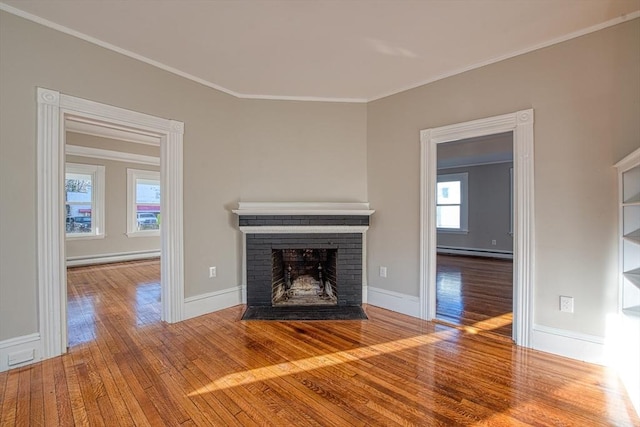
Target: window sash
142, 225
449, 202
96, 173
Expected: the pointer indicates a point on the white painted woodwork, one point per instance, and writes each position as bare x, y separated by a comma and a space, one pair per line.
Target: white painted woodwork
302, 208
116, 156
54, 109
88, 126
521, 124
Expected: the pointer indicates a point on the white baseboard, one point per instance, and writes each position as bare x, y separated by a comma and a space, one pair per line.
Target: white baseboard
575, 345
20, 351
394, 301
108, 258
489, 253
213, 301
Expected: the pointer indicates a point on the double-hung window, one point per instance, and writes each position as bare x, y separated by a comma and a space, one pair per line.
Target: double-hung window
84, 200
143, 203
452, 203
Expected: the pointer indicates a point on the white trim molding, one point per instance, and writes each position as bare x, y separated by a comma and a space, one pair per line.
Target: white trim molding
521, 124
302, 208
54, 109
116, 156
133, 175
87, 126
98, 180
20, 351
575, 345
199, 305
394, 301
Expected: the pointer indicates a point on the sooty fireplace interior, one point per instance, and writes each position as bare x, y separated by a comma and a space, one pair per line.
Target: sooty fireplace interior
304, 256
304, 277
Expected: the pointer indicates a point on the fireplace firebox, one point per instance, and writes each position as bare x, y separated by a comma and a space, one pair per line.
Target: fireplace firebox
304, 277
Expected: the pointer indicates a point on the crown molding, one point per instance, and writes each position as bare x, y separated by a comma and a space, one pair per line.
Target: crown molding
117, 156
157, 64
557, 40
86, 127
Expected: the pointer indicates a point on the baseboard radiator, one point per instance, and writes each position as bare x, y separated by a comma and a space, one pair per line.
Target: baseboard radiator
488, 253
109, 258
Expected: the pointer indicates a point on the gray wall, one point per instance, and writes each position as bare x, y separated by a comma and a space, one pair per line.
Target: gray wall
115, 239
234, 150
586, 96
489, 209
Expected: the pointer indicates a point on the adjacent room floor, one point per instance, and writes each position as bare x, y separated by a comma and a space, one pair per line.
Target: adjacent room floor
125, 367
476, 293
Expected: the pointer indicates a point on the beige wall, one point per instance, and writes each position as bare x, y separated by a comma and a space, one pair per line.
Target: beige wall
586, 97
233, 149
115, 240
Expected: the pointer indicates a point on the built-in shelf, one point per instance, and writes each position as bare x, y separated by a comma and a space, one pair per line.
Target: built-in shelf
633, 200
634, 236
633, 276
629, 226
632, 311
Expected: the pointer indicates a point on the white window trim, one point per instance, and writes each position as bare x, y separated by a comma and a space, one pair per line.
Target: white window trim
97, 173
132, 176
463, 177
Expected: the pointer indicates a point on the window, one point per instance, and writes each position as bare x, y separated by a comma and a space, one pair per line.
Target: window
143, 203
451, 203
84, 201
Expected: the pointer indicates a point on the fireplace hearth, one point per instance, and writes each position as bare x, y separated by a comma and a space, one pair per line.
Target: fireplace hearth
304, 260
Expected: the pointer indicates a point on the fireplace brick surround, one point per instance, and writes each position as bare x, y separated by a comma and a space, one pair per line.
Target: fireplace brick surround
278, 226
349, 263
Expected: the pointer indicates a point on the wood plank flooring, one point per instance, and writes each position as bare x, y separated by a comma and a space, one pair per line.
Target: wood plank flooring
475, 292
126, 368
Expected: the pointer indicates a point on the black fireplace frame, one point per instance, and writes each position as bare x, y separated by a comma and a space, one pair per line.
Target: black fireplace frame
259, 245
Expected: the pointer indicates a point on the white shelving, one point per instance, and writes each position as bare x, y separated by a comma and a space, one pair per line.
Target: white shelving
629, 190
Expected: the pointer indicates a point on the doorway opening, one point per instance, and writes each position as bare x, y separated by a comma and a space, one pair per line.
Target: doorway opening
54, 109
113, 221
474, 272
520, 125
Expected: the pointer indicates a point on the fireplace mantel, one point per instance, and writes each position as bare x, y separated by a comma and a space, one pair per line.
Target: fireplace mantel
303, 208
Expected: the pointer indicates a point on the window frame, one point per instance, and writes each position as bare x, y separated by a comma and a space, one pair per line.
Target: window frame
463, 178
132, 176
97, 173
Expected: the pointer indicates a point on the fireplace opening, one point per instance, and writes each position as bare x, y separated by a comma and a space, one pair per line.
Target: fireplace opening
304, 277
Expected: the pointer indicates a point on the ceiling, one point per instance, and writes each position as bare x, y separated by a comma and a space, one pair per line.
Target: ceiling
342, 50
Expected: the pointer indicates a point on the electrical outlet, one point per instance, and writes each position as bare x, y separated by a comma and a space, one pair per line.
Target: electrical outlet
212, 272
493, 242
566, 304
383, 271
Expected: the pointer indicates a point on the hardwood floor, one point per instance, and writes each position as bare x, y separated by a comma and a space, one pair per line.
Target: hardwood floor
127, 368
476, 293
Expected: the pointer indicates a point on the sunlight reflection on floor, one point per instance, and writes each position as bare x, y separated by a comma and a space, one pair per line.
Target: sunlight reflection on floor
347, 356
